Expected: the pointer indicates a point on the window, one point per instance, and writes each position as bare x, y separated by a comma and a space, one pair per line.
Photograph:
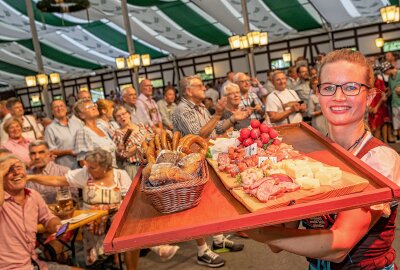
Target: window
279, 64
391, 46
97, 93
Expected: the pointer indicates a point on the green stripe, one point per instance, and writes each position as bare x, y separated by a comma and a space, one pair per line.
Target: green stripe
118, 40
293, 14
60, 56
394, 2
145, 3
48, 18
193, 23
13, 69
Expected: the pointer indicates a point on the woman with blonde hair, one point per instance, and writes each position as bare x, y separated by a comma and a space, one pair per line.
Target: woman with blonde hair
359, 238
16, 142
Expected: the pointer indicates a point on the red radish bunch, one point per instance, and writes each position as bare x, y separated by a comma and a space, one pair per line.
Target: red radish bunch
258, 133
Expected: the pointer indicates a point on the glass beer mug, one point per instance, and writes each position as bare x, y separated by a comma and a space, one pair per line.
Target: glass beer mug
64, 200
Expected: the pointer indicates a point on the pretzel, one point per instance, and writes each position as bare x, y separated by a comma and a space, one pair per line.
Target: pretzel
157, 142
164, 140
195, 139
175, 140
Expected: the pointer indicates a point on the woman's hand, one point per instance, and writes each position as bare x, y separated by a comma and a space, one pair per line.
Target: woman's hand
241, 114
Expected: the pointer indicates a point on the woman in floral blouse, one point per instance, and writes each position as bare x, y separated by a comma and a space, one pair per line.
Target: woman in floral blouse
129, 139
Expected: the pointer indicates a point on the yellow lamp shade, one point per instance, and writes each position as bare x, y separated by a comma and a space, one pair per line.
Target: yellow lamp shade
234, 42
208, 70
55, 77
133, 60
42, 79
244, 43
146, 60
379, 42
287, 57
120, 62
30, 81
263, 38
390, 14
253, 38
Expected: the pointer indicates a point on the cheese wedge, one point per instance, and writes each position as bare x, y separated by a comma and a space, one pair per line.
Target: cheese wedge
307, 182
328, 175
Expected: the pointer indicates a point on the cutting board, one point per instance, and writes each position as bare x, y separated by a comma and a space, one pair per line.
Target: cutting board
350, 183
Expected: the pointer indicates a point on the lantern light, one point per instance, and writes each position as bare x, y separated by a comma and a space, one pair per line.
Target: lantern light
390, 14
234, 42
208, 70
263, 38
146, 60
379, 42
253, 38
287, 57
30, 81
244, 43
55, 77
42, 79
120, 62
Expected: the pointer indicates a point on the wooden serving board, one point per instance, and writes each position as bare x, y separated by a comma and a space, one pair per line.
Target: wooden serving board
350, 183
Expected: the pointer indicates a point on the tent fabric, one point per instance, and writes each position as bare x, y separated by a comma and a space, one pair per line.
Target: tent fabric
78, 42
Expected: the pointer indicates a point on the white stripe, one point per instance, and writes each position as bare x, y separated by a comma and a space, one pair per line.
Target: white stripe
350, 8
208, 18
272, 14
237, 15
311, 11
122, 31
86, 49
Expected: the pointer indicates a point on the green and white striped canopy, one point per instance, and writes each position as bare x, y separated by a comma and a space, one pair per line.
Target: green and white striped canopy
76, 43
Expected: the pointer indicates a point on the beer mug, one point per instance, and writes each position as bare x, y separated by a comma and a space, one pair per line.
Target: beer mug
64, 200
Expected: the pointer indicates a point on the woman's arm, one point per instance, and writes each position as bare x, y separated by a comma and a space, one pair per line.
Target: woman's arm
49, 180
331, 245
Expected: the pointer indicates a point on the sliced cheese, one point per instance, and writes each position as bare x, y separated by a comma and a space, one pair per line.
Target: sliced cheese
307, 182
328, 175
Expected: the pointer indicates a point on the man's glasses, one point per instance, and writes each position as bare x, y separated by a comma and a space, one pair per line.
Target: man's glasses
121, 114
244, 81
91, 106
349, 89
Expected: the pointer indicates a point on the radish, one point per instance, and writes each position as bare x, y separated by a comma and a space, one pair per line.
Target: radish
273, 133
264, 128
255, 123
245, 133
255, 133
248, 141
264, 137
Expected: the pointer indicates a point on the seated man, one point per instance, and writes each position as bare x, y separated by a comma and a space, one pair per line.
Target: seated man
21, 210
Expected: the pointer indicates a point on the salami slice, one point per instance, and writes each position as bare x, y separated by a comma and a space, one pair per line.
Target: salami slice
264, 191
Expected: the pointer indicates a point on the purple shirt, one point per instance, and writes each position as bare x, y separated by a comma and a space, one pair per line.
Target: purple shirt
18, 228
150, 109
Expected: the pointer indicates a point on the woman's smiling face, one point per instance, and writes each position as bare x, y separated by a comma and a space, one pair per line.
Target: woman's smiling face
340, 109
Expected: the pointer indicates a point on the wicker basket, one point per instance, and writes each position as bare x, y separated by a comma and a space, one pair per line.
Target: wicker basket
178, 196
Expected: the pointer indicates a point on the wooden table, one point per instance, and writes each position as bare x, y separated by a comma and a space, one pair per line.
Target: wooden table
75, 227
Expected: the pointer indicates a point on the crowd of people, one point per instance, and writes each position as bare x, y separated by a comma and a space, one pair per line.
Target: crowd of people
95, 147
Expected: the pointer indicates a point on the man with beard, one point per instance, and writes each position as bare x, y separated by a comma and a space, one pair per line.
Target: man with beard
21, 210
303, 88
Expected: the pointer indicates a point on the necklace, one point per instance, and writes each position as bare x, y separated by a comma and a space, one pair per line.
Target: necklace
357, 141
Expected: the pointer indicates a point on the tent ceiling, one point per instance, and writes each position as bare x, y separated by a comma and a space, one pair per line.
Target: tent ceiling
75, 42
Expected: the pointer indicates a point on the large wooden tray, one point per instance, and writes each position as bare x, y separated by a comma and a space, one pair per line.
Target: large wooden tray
137, 224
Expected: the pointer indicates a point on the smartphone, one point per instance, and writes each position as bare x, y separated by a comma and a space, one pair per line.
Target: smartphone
62, 230
300, 102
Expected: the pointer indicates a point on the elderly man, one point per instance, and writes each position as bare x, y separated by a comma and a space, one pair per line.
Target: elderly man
248, 98
191, 117
147, 105
30, 129
303, 88
283, 104
21, 210
167, 107
60, 135
292, 80
129, 98
85, 95
42, 164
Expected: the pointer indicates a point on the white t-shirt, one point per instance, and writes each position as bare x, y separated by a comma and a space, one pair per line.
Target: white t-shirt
79, 178
275, 102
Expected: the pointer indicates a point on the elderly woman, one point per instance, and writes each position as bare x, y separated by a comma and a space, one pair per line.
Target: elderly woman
314, 111
128, 139
233, 116
91, 136
105, 121
16, 143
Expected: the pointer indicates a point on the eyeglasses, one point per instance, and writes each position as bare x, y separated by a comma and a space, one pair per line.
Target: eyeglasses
91, 106
244, 81
121, 114
234, 93
349, 89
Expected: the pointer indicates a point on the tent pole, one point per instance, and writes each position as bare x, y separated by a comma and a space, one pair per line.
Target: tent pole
250, 54
38, 54
131, 46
